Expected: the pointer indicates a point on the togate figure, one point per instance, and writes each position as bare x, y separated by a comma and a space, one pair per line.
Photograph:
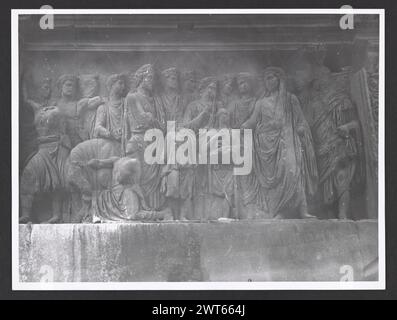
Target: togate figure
141, 112
284, 159
109, 116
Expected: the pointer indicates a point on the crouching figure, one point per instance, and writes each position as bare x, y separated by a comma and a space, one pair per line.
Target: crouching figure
123, 200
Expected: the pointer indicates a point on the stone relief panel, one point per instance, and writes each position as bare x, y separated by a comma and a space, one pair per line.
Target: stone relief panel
92, 111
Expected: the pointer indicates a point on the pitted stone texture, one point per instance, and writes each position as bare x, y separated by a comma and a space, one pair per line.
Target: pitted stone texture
289, 250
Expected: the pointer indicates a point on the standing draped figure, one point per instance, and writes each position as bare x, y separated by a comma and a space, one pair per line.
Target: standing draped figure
109, 116
336, 133
141, 113
198, 115
171, 104
248, 197
284, 160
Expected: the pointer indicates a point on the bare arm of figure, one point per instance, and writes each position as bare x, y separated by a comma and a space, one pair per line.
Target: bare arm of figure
89, 104
102, 163
100, 130
34, 105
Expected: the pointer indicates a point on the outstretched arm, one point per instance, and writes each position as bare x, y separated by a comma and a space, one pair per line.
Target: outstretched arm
102, 163
89, 104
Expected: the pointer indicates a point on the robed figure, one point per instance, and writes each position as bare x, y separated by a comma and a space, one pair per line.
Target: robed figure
141, 113
336, 135
109, 116
284, 159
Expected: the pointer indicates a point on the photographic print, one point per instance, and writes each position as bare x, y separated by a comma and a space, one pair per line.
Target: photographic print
198, 149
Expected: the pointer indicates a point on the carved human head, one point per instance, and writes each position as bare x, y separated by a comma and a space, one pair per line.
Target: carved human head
67, 85
89, 85
272, 77
144, 77
302, 75
244, 82
208, 87
227, 83
45, 88
128, 171
189, 80
116, 84
170, 78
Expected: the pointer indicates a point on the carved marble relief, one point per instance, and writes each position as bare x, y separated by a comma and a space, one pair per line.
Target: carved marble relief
90, 165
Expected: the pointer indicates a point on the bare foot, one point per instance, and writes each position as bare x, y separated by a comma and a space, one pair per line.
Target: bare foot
24, 220
306, 215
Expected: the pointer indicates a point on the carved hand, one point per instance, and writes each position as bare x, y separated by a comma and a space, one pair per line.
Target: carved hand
343, 131
147, 117
95, 102
107, 134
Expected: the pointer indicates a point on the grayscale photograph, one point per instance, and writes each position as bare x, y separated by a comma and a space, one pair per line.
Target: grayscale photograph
211, 150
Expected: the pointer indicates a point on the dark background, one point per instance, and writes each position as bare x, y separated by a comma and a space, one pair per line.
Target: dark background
5, 164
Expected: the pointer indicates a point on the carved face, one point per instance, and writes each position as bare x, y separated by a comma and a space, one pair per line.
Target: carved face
302, 78
171, 81
321, 82
68, 88
45, 90
118, 87
271, 82
210, 91
89, 85
189, 85
147, 82
227, 86
243, 86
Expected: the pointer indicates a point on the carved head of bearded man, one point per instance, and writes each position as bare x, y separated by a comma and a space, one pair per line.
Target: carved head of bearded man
208, 88
244, 82
89, 85
116, 84
170, 78
272, 77
67, 85
144, 77
227, 84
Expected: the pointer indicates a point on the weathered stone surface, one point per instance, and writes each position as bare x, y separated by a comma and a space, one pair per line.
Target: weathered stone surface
290, 250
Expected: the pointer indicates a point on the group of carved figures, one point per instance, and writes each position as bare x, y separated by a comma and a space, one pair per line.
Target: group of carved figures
90, 163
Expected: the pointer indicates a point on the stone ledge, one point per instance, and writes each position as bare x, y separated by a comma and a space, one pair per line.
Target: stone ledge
288, 250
